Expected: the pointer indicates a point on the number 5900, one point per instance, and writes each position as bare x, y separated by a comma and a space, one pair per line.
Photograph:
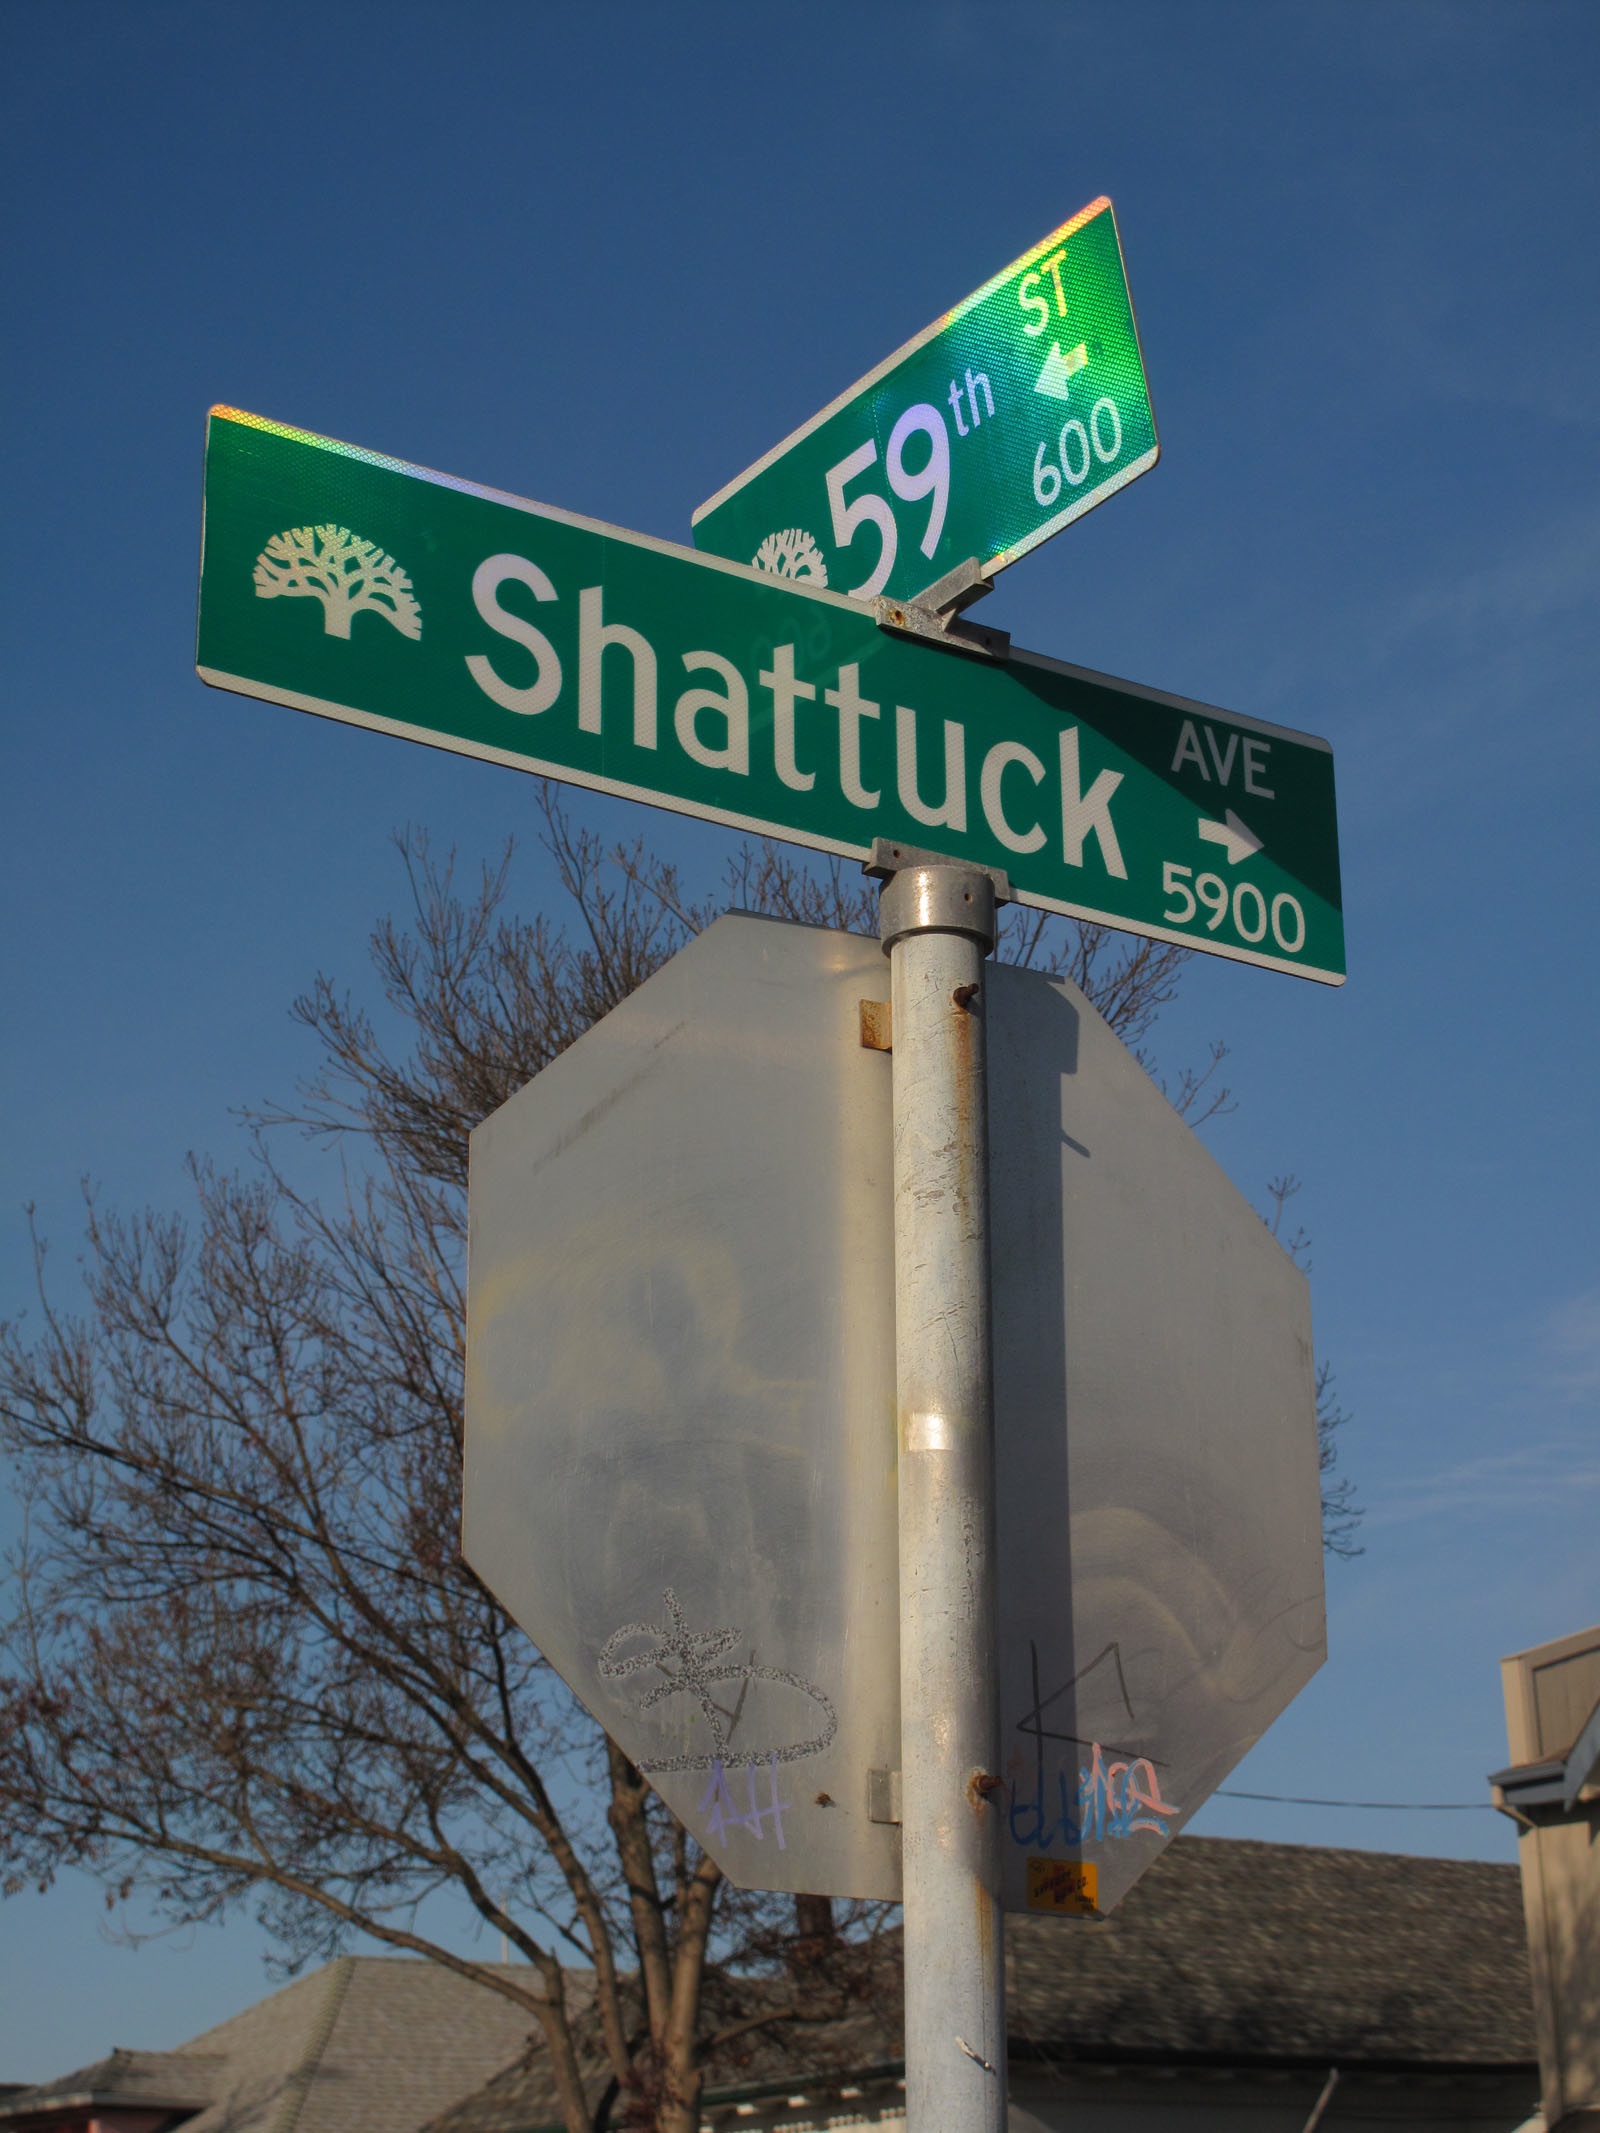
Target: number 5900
1251, 913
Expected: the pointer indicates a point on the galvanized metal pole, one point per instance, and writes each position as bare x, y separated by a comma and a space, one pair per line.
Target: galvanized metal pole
937, 924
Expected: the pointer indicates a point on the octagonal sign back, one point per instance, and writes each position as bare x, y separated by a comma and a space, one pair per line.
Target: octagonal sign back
681, 1432
680, 1463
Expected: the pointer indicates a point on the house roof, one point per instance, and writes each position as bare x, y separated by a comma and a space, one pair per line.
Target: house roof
1226, 1953
145, 2081
1251, 1952
369, 2044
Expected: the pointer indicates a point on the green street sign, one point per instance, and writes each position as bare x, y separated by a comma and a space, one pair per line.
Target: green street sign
366, 589
1007, 419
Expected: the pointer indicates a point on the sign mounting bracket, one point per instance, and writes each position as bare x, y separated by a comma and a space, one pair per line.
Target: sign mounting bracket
936, 612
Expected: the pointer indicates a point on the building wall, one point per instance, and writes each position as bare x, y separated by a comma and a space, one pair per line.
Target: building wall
1550, 1691
1115, 2101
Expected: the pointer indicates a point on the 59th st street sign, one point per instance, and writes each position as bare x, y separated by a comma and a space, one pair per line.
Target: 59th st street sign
366, 589
1001, 423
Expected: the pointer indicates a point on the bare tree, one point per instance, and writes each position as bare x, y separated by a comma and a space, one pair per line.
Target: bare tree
245, 1663
1341, 1513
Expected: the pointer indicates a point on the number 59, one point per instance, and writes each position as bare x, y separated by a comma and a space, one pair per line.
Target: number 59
931, 479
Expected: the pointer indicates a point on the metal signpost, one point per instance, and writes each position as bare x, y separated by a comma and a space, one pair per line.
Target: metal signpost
369, 590
1004, 421
1010, 1735
938, 928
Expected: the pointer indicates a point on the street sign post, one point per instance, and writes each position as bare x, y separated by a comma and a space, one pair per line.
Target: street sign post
1004, 421
681, 1378
652, 1502
938, 924
369, 590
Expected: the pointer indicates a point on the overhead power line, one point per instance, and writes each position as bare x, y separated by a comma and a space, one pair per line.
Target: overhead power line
1428, 1807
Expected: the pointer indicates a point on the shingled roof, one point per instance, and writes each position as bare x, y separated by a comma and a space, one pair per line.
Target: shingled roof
1226, 1954
135, 2081
370, 2044
1255, 1953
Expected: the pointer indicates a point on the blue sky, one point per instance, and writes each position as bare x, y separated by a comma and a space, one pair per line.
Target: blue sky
607, 257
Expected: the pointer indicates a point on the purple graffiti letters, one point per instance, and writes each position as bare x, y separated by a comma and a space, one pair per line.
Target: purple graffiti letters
721, 1810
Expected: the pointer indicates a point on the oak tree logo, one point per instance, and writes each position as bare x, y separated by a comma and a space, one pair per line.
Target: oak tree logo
792, 554
348, 575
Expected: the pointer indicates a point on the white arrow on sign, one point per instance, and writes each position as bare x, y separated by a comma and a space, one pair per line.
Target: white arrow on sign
1238, 841
1060, 369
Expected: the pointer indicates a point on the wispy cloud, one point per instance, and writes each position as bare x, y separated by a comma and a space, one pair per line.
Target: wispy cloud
1544, 571
1529, 1477
1572, 1346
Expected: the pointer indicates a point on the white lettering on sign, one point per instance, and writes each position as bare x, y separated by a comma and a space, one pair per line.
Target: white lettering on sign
911, 484
1086, 812
1255, 761
1075, 455
1028, 291
1223, 761
995, 763
1188, 750
932, 478
1248, 907
711, 724
595, 636
965, 429
852, 708
542, 691
731, 703
1249, 747
951, 813
869, 510
779, 678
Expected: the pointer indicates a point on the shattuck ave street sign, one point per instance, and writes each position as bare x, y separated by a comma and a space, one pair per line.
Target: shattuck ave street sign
366, 589
1004, 421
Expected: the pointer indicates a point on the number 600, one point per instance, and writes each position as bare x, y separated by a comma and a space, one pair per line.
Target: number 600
1072, 449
